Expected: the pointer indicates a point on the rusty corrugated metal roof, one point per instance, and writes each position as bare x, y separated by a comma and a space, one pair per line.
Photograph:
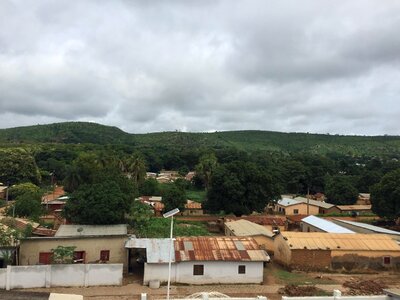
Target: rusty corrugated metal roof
218, 248
340, 241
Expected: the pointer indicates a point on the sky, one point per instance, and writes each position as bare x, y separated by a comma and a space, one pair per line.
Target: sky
148, 66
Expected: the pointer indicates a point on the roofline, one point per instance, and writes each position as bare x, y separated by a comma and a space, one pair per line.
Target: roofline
73, 237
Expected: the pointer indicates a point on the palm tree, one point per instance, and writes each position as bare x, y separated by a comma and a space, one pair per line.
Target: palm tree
206, 168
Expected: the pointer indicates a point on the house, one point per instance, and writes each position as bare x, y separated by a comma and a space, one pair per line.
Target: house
192, 208
189, 176
351, 209
27, 225
200, 260
301, 206
367, 228
94, 244
261, 235
336, 251
3, 192
315, 224
55, 194
364, 199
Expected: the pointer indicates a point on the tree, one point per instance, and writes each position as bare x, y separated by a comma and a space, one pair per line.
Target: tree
63, 254
28, 205
174, 197
103, 201
134, 167
241, 188
206, 167
18, 165
140, 215
385, 196
150, 187
340, 191
19, 189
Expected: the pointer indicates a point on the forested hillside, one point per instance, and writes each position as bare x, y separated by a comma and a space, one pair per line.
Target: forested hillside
91, 133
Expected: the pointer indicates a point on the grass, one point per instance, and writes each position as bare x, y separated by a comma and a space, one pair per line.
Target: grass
285, 277
196, 195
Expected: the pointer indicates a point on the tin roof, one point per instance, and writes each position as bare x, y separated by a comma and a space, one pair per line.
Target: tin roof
354, 207
369, 227
325, 225
321, 204
247, 228
58, 192
339, 241
157, 250
288, 202
261, 220
91, 230
218, 249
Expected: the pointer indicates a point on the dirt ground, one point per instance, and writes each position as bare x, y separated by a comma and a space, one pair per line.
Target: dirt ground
275, 280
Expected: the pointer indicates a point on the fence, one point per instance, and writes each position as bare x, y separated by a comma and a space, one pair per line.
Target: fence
17, 277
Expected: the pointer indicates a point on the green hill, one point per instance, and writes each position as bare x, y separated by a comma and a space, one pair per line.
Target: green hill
250, 140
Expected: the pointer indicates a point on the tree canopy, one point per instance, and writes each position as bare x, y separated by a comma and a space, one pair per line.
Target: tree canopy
339, 190
241, 188
385, 196
174, 197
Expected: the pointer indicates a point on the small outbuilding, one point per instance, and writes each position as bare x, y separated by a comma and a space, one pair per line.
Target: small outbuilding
336, 251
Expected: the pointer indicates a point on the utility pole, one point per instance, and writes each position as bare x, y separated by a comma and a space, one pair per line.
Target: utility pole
308, 200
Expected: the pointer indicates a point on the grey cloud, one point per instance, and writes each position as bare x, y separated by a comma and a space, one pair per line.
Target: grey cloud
145, 66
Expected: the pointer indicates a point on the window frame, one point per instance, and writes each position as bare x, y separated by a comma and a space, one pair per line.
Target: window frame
198, 270
104, 255
241, 269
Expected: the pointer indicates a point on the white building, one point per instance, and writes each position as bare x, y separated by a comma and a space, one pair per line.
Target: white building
203, 260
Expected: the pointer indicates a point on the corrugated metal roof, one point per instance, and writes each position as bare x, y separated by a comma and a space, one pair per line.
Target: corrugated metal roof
315, 202
354, 207
340, 241
261, 220
369, 227
91, 230
157, 250
325, 225
247, 228
288, 202
219, 248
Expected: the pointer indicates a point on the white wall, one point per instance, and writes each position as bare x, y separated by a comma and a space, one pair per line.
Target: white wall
214, 272
60, 275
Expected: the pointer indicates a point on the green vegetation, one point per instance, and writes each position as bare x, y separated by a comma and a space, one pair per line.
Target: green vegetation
160, 228
296, 278
63, 254
196, 195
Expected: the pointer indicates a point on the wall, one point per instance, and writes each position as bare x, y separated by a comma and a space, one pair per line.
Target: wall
214, 272
60, 275
355, 260
282, 253
265, 243
302, 208
30, 248
305, 259
309, 228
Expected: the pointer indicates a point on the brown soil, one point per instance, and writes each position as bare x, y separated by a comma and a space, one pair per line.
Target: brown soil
364, 287
21, 295
299, 291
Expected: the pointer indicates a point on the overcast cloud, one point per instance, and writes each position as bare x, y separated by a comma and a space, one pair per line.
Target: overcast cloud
144, 66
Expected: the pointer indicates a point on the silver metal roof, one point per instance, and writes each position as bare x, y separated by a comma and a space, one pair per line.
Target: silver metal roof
91, 230
325, 225
288, 202
157, 250
369, 227
314, 202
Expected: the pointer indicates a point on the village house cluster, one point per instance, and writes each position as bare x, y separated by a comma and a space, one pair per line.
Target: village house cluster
304, 233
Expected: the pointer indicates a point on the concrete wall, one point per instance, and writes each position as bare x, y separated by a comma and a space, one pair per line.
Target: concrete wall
302, 209
309, 228
30, 248
214, 272
60, 275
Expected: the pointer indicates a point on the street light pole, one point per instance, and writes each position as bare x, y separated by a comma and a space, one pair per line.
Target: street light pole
170, 214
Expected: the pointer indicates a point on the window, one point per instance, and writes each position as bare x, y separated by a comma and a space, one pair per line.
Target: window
386, 260
45, 258
198, 270
242, 269
79, 257
296, 211
105, 255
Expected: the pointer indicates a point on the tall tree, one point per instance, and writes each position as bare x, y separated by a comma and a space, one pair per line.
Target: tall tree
174, 197
385, 196
241, 188
206, 167
134, 167
340, 190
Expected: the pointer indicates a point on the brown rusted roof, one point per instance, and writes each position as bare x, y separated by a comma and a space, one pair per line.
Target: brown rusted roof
218, 248
192, 205
58, 192
340, 241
